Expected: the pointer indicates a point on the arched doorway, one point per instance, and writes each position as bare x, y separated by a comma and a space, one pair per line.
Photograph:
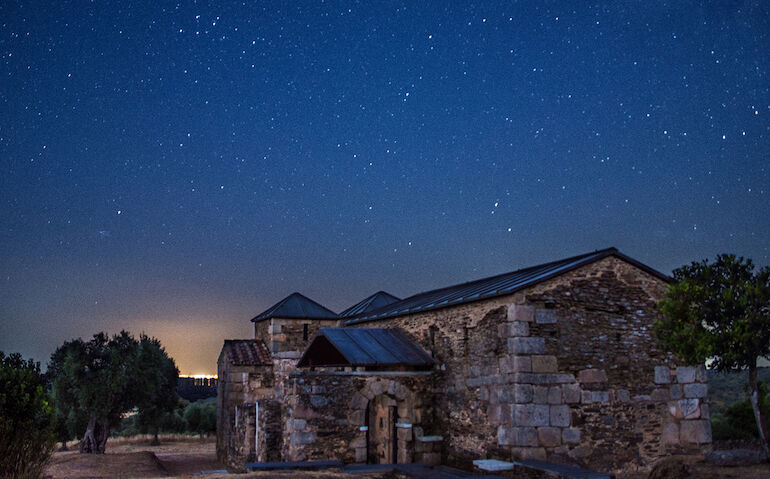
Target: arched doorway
381, 437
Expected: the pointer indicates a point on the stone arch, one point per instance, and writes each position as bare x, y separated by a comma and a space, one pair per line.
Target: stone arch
383, 393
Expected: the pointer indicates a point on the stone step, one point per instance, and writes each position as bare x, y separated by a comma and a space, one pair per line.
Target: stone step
304, 465
561, 470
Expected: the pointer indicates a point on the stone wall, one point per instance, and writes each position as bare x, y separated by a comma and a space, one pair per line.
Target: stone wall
238, 389
326, 415
289, 335
562, 371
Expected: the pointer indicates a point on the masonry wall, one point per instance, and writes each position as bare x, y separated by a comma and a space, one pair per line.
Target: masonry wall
290, 335
325, 416
564, 371
238, 389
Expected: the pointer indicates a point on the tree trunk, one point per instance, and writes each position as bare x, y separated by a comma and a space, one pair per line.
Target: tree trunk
88, 444
761, 420
104, 434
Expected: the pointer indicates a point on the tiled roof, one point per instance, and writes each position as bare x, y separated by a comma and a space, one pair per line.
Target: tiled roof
296, 306
364, 347
373, 302
499, 285
247, 352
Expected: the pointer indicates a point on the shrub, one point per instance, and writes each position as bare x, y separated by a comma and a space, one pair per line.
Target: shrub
27, 421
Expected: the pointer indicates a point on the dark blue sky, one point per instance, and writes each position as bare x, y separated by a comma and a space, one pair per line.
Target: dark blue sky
178, 168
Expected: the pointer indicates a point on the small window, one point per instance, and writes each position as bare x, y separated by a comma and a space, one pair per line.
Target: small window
304, 332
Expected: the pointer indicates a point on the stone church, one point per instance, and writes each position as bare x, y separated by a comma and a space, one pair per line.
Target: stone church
554, 362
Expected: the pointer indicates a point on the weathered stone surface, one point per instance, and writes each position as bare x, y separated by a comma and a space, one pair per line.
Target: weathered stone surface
570, 435
736, 457
559, 416
554, 395
318, 401
543, 378
685, 374
685, 409
623, 395
545, 316
516, 436
676, 391
301, 438
695, 390
298, 424
700, 374
660, 394
549, 436
697, 431
544, 364
592, 376
670, 435
531, 415
540, 394
520, 312
526, 345
523, 393
571, 393
524, 453
662, 375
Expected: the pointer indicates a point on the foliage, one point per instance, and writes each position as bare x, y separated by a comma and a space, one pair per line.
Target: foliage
105, 377
737, 421
27, 423
157, 376
201, 417
721, 311
728, 387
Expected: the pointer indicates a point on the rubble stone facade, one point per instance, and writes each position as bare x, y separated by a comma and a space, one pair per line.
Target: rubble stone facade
566, 370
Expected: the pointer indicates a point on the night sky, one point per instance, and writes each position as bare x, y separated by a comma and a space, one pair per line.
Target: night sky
178, 168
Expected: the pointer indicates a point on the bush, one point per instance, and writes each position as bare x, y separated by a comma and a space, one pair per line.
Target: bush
738, 422
201, 417
27, 421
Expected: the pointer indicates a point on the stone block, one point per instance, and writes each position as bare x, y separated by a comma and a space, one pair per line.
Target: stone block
522, 364
516, 436
592, 376
544, 364
570, 435
505, 393
685, 409
377, 388
533, 415
358, 442
543, 378
559, 416
704, 411
685, 374
700, 374
697, 431
358, 401
526, 345
520, 312
302, 438
623, 395
513, 329
298, 424
500, 414
540, 394
571, 393
318, 401
545, 316
662, 375
523, 393
600, 396
676, 391
431, 458
549, 436
587, 397
695, 390
554, 395
670, 435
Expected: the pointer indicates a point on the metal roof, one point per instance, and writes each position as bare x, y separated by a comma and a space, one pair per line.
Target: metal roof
364, 347
247, 352
296, 306
373, 302
499, 285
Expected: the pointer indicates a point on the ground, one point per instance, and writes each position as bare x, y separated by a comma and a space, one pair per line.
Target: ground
183, 457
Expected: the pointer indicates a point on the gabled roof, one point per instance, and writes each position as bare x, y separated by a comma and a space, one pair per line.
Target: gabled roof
296, 306
246, 352
493, 286
373, 347
375, 301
